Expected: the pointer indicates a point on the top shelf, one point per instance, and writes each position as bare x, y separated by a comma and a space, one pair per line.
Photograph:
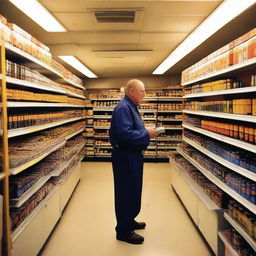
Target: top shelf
221, 92
37, 64
232, 70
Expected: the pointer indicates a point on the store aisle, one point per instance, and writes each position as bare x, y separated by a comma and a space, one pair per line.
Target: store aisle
87, 226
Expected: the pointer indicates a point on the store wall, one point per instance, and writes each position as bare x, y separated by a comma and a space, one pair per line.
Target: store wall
118, 82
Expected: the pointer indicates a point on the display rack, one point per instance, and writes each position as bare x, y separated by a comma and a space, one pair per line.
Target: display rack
11, 238
235, 142
194, 92
103, 107
246, 173
31, 129
37, 64
230, 71
220, 184
210, 205
227, 244
245, 118
241, 231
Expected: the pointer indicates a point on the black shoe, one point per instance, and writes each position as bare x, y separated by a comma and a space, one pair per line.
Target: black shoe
138, 225
131, 238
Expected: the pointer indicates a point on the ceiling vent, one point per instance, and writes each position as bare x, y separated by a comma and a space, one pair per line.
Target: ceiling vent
115, 16
121, 17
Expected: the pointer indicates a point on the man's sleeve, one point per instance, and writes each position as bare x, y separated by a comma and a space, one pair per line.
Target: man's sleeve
124, 128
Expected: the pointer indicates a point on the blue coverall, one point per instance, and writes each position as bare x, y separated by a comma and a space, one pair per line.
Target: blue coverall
129, 138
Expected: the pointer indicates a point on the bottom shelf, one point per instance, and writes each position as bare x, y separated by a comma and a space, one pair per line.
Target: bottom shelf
227, 244
44, 217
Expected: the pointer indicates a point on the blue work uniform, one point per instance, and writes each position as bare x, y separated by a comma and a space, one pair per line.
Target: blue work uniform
129, 138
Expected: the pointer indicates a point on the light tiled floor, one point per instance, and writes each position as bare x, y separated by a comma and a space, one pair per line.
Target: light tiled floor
87, 226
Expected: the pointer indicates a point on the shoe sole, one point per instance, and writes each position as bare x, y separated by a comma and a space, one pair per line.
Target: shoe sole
130, 242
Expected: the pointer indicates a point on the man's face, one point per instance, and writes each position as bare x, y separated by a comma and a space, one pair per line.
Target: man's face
138, 93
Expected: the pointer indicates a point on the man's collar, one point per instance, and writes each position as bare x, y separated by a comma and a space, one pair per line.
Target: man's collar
130, 101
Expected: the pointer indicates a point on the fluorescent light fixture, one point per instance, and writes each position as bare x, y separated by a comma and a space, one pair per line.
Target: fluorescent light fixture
75, 63
223, 14
38, 13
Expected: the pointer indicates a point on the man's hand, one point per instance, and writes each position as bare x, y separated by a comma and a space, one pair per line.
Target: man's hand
152, 132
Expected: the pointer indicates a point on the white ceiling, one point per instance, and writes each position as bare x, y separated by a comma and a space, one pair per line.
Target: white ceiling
115, 49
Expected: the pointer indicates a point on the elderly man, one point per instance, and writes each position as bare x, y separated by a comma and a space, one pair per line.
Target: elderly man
129, 138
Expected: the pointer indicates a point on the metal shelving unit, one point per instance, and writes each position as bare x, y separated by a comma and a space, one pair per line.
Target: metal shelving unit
227, 244
28, 219
245, 118
221, 92
102, 116
245, 66
210, 205
241, 231
30, 129
244, 172
220, 184
22, 167
37, 64
228, 140
25, 104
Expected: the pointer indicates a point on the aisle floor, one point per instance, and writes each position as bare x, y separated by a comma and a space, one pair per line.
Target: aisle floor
87, 225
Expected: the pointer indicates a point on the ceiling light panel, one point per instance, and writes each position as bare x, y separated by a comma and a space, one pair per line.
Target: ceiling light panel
223, 14
76, 64
39, 14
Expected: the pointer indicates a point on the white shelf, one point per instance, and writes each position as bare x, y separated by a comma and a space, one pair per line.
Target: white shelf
34, 161
151, 147
148, 118
216, 136
75, 95
103, 146
170, 99
30, 129
103, 108
169, 120
238, 67
168, 139
102, 155
147, 110
20, 104
220, 184
28, 219
74, 134
241, 231
246, 118
209, 204
163, 147
150, 98
64, 165
25, 83
169, 111
227, 244
236, 168
106, 99
102, 117
39, 63
17, 202
221, 92
101, 137
174, 128
101, 127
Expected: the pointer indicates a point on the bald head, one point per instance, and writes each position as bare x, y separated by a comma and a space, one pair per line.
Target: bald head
135, 90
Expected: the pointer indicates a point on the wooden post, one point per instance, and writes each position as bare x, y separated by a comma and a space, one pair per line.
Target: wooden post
5, 162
